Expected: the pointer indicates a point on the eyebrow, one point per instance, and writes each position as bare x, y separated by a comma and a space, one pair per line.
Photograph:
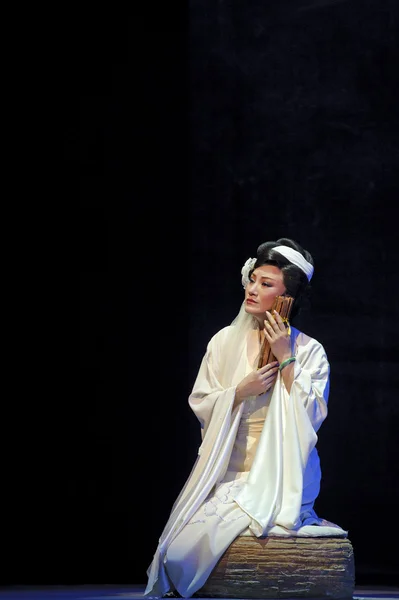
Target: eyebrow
266, 277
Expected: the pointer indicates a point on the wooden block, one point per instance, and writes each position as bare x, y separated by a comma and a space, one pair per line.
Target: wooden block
279, 567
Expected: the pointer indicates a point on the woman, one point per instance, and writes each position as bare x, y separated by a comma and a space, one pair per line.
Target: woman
258, 470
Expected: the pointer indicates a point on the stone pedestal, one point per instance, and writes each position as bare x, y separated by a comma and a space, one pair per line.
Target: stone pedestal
278, 567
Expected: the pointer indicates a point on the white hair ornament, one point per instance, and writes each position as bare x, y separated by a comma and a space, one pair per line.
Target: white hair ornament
248, 266
297, 259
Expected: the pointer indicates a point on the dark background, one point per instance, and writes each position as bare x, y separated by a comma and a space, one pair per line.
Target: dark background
198, 132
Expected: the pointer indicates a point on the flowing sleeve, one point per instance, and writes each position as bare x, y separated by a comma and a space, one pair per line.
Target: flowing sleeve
284, 479
212, 404
311, 383
209, 399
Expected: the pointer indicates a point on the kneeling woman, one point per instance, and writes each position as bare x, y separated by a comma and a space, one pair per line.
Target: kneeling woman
257, 471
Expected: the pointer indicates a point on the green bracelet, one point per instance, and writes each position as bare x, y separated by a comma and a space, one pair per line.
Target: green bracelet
286, 362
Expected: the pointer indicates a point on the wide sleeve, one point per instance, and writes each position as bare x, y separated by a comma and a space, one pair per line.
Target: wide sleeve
209, 397
311, 383
212, 404
281, 471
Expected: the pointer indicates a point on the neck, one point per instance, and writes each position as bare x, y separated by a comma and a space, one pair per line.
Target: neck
260, 322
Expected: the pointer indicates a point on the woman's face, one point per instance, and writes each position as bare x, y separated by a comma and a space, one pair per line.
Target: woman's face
265, 284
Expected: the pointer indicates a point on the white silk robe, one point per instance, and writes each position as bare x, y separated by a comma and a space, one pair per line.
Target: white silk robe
257, 473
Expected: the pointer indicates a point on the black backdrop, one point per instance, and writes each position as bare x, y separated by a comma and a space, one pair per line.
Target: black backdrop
202, 131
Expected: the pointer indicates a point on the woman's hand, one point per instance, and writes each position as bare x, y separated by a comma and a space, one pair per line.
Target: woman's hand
256, 383
277, 335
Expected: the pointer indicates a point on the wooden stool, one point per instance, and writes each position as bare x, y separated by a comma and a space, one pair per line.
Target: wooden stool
280, 567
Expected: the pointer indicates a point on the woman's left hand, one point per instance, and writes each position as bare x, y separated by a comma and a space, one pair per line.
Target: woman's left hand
277, 335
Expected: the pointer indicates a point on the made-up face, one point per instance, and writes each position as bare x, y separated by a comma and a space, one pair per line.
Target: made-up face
265, 284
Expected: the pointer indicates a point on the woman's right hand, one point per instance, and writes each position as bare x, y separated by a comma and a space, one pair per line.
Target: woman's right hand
256, 383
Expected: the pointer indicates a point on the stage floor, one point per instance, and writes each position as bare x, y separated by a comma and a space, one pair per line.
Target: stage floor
106, 592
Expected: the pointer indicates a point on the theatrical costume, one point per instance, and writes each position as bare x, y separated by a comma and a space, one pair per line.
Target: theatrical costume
257, 471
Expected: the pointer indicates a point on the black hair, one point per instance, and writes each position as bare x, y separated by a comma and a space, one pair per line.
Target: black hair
295, 280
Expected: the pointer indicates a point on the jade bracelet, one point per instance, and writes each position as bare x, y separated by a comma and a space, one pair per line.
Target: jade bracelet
286, 362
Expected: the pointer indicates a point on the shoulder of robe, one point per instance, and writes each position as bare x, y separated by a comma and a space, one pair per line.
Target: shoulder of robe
217, 341
305, 343
220, 336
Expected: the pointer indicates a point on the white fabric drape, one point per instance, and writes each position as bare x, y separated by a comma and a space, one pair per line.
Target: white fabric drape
284, 479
